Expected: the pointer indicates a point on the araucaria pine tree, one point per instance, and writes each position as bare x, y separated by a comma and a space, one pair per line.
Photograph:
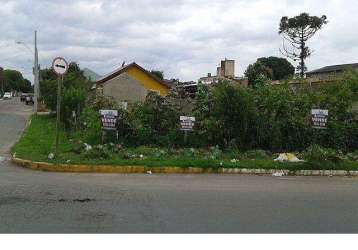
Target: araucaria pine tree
297, 31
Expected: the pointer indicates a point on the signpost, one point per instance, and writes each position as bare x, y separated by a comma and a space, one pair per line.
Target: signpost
186, 124
60, 67
319, 118
109, 120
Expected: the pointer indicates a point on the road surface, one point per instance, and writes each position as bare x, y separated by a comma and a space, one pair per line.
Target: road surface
41, 202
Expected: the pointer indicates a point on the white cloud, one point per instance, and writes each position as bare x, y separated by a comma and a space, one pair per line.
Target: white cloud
184, 38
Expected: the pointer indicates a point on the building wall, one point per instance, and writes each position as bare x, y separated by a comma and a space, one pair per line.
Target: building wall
147, 81
125, 88
324, 76
228, 68
328, 75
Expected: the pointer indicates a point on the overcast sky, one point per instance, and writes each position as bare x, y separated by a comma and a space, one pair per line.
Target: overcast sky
186, 39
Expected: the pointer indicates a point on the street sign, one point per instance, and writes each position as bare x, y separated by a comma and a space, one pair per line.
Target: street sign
60, 66
319, 118
109, 119
187, 123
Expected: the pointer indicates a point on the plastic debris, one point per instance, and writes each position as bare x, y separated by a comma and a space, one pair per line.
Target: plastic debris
51, 156
278, 174
149, 172
141, 156
87, 147
288, 157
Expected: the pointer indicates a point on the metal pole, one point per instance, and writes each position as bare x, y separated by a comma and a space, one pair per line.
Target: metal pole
59, 86
185, 137
36, 76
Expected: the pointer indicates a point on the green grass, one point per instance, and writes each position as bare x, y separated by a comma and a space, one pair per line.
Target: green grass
39, 140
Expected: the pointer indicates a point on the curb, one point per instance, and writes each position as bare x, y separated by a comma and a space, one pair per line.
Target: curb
67, 168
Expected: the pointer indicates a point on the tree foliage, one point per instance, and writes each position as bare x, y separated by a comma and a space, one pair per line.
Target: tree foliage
275, 118
281, 68
13, 80
226, 115
74, 91
256, 70
158, 73
297, 31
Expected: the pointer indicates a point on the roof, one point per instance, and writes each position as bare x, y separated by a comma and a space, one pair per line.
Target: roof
333, 68
120, 70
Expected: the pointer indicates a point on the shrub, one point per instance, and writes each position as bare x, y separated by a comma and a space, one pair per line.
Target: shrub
98, 152
90, 126
315, 153
256, 154
155, 121
74, 91
226, 114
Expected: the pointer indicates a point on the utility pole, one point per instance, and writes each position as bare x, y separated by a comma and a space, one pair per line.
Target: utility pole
2, 80
36, 76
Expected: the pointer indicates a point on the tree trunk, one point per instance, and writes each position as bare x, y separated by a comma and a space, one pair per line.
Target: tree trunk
302, 56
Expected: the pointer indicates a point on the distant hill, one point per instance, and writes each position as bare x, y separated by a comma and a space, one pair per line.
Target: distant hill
90, 74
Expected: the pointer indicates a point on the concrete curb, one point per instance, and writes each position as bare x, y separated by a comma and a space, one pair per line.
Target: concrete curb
68, 168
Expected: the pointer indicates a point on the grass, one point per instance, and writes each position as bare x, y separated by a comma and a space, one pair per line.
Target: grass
38, 141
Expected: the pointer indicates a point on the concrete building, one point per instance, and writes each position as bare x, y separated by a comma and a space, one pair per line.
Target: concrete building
130, 83
227, 68
330, 72
226, 71
209, 79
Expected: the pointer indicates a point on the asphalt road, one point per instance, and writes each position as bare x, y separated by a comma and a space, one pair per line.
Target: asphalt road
41, 202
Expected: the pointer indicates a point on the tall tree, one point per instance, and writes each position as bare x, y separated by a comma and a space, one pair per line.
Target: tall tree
13, 80
281, 68
297, 31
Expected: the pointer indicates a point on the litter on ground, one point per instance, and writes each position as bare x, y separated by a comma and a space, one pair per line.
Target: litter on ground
288, 157
278, 174
51, 156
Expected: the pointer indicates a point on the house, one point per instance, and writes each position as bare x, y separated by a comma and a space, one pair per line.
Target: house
330, 72
131, 83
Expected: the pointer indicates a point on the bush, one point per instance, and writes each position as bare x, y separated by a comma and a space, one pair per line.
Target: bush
156, 121
74, 92
90, 126
276, 119
256, 154
226, 114
315, 153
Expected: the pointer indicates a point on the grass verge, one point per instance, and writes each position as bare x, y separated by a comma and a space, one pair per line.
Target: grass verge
38, 142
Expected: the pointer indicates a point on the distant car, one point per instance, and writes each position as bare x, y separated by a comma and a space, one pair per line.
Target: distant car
7, 95
29, 100
23, 97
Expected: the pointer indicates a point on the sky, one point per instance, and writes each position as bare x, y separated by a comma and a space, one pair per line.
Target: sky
185, 39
